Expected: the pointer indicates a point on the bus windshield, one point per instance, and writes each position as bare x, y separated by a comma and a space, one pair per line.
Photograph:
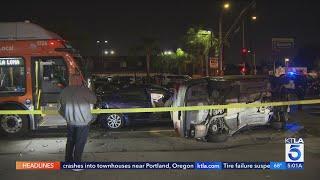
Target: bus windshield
12, 76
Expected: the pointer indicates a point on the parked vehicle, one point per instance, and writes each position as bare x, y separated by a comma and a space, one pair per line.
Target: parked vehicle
102, 81
169, 80
35, 65
134, 96
216, 125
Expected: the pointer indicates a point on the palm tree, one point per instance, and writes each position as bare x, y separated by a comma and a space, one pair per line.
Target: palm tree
149, 46
198, 44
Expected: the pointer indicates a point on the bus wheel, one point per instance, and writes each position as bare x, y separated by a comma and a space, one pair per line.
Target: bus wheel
13, 125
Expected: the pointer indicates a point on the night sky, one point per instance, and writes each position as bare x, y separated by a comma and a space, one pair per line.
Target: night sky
123, 23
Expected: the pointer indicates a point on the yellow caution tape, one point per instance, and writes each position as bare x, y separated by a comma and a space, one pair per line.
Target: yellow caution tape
168, 109
20, 112
196, 108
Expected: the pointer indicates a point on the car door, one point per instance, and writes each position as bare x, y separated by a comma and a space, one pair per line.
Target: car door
135, 97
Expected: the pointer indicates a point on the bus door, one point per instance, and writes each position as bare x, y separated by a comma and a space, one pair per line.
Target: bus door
51, 76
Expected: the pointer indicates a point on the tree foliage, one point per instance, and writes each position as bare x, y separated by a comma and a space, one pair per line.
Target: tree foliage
199, 43
172, 62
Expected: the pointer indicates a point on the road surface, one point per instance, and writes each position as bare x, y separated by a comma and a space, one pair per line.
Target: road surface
161, 144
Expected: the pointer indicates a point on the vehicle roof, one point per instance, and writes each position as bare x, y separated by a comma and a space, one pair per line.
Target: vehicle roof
25, 31
225, 78
143, 86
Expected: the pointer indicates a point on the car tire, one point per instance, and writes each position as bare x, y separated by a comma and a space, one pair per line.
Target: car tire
112, 121
14, 126
278, 125
217, 138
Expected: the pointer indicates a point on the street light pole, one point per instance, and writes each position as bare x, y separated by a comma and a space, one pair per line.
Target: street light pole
208, 72
254, 18
209, 53
238, 21
226, 6
220, 44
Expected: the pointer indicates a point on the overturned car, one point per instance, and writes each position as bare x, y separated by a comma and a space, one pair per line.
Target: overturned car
216, 125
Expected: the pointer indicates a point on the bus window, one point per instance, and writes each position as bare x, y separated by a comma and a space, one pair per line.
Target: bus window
12, 76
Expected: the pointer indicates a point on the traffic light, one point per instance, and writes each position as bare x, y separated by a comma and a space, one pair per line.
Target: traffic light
244, 52
243, 70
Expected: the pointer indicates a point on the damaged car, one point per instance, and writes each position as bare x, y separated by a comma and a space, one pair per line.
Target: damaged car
216, 125
133, 96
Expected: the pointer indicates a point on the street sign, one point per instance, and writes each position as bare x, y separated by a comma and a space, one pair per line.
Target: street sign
214, 64
282, 43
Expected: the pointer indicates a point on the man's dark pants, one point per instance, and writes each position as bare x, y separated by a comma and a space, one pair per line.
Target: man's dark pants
76, 140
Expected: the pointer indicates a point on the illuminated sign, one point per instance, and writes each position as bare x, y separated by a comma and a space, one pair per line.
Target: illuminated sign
11, 61
213, 63
6, 48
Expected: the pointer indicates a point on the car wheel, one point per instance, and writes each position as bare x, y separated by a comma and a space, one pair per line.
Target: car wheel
216, 138
112, 121
217, 132
13, 125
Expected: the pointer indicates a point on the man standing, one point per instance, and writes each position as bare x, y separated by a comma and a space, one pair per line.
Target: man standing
76, 103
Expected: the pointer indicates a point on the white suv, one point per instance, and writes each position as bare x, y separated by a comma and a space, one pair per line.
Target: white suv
216, 125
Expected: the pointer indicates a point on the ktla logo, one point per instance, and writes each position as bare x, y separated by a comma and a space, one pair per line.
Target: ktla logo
294, 150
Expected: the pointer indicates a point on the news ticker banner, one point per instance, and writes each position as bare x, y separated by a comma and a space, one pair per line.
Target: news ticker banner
200, 165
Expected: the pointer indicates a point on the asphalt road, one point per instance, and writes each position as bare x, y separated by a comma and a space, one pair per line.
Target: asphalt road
160, 143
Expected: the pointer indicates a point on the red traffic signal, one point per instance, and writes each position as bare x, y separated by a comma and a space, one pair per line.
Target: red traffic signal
244, 51
243, 68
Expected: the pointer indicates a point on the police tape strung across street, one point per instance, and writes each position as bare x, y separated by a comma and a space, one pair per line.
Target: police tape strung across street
168, 109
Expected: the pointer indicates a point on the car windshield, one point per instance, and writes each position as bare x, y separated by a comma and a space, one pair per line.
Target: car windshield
12, 76
133, 94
